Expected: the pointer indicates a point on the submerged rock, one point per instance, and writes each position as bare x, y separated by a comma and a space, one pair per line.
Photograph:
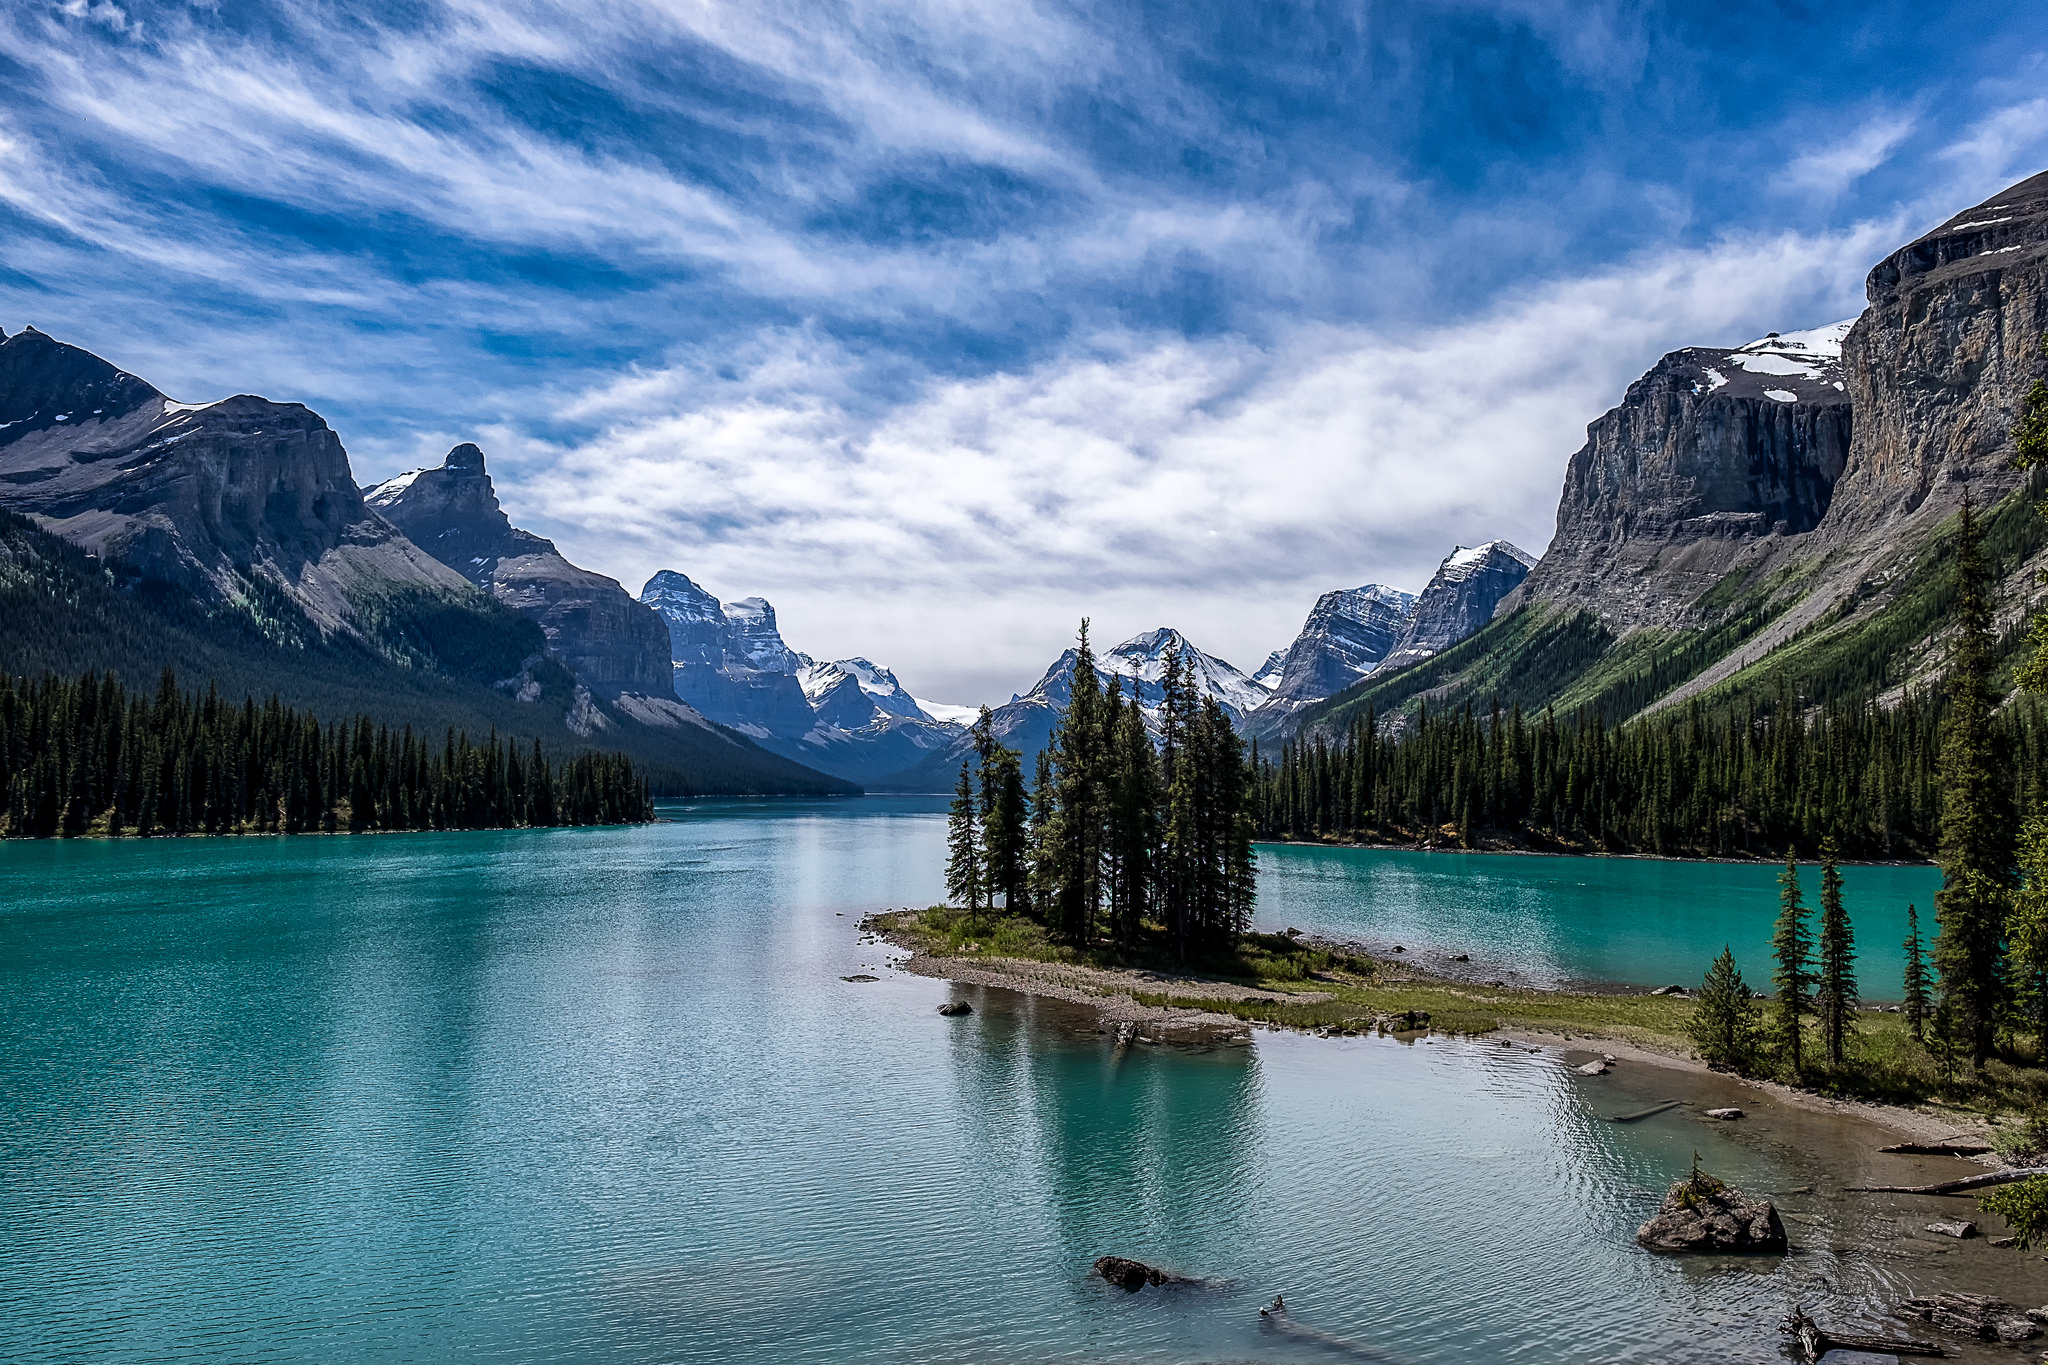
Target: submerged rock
1704, 1214
1132, 1275
1971, 1315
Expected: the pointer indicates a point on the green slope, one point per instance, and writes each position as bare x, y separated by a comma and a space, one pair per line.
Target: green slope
1883, 636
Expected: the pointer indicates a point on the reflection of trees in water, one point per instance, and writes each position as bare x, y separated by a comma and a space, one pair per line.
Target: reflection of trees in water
1148, 1152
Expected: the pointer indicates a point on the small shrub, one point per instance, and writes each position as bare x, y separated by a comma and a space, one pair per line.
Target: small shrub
2024, 1207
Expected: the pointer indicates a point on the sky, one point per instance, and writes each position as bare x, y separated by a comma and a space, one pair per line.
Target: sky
944, 324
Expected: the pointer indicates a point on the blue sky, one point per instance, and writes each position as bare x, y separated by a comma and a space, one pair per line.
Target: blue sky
943, 324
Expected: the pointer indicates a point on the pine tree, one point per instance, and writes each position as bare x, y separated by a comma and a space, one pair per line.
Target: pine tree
1976, 844
1915, 992
1792, 947
963, 849
1724, 1023
1836, 995
1074, 835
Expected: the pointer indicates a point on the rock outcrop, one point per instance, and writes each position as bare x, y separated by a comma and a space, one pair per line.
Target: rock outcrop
215, 498
1347, 634
1466, 590
1711, 451
1132, 1275
615, 644
1701, 1213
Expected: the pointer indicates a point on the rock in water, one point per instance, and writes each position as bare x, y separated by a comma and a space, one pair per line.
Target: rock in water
1704, 1214
953, 1007
1729, 1113
1971, 1315
1956, 1230
1132, 1275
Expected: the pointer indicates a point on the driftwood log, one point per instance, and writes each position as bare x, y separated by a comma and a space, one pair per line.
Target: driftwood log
1963, 1186
1938, 1148
1645, 1113
1816, 1341
1972, 1315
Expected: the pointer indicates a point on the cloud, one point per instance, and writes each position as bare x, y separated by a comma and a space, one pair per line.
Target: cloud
1142, 479
1831, 169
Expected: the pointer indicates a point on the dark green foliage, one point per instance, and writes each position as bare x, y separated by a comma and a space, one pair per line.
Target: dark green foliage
1792, 954
86, 757
1684, 783
1835, 993
2026, 931
1724, 1023
1976, 850
2030, 444
1123, 842
1914, 994
2024, 1207
963, 848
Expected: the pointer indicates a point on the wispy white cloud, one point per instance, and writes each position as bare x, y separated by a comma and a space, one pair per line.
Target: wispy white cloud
1217, 486
1837, 164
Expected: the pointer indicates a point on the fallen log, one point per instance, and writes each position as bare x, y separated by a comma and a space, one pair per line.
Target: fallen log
1816, 1341
1963, 1186
1938, 1148
1645, 1113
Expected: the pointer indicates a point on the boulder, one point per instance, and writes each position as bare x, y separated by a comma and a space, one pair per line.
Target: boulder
1132, 1275
1595, 1067
1729, 1113
956, 1007
1669, 990
1971, 1315
1702, 1213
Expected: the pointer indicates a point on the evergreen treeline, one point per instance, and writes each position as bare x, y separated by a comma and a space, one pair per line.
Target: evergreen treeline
1117, 835
88, 757
1749, 781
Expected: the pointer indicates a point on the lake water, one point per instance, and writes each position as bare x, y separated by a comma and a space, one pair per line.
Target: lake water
602, 1095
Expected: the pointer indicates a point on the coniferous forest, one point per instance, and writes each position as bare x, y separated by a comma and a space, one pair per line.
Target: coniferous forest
1119, 839
1750, 782
87, 757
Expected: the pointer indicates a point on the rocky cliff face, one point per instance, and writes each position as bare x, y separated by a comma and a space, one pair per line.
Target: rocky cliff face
614, 643
1462, 596
1711, 451
206, 496
730, 664
1940, 361
1347, 634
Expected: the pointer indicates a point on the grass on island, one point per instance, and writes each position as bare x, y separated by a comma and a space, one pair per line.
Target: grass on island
1316, 985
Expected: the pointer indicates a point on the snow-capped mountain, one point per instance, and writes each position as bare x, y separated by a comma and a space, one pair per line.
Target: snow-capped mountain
848, 717
1137, 666
1268, 675
1346, 635
1463, 595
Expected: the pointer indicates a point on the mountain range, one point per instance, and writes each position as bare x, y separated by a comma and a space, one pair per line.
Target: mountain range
1745, 519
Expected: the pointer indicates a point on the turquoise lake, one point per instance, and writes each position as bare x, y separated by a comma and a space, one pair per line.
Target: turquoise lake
603, 1095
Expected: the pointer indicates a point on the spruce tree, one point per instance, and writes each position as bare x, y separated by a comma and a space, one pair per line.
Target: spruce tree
1724, 1023
1915, 994
1792, 947
1975, 852
1074, 836
1836, 995
963, 848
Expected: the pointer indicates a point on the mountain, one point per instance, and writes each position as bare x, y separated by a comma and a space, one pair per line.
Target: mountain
1460, 598
1776, 515
1138, 666
1346, 635
230, 542
614, 643
236, 501
848, 717
729, 662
